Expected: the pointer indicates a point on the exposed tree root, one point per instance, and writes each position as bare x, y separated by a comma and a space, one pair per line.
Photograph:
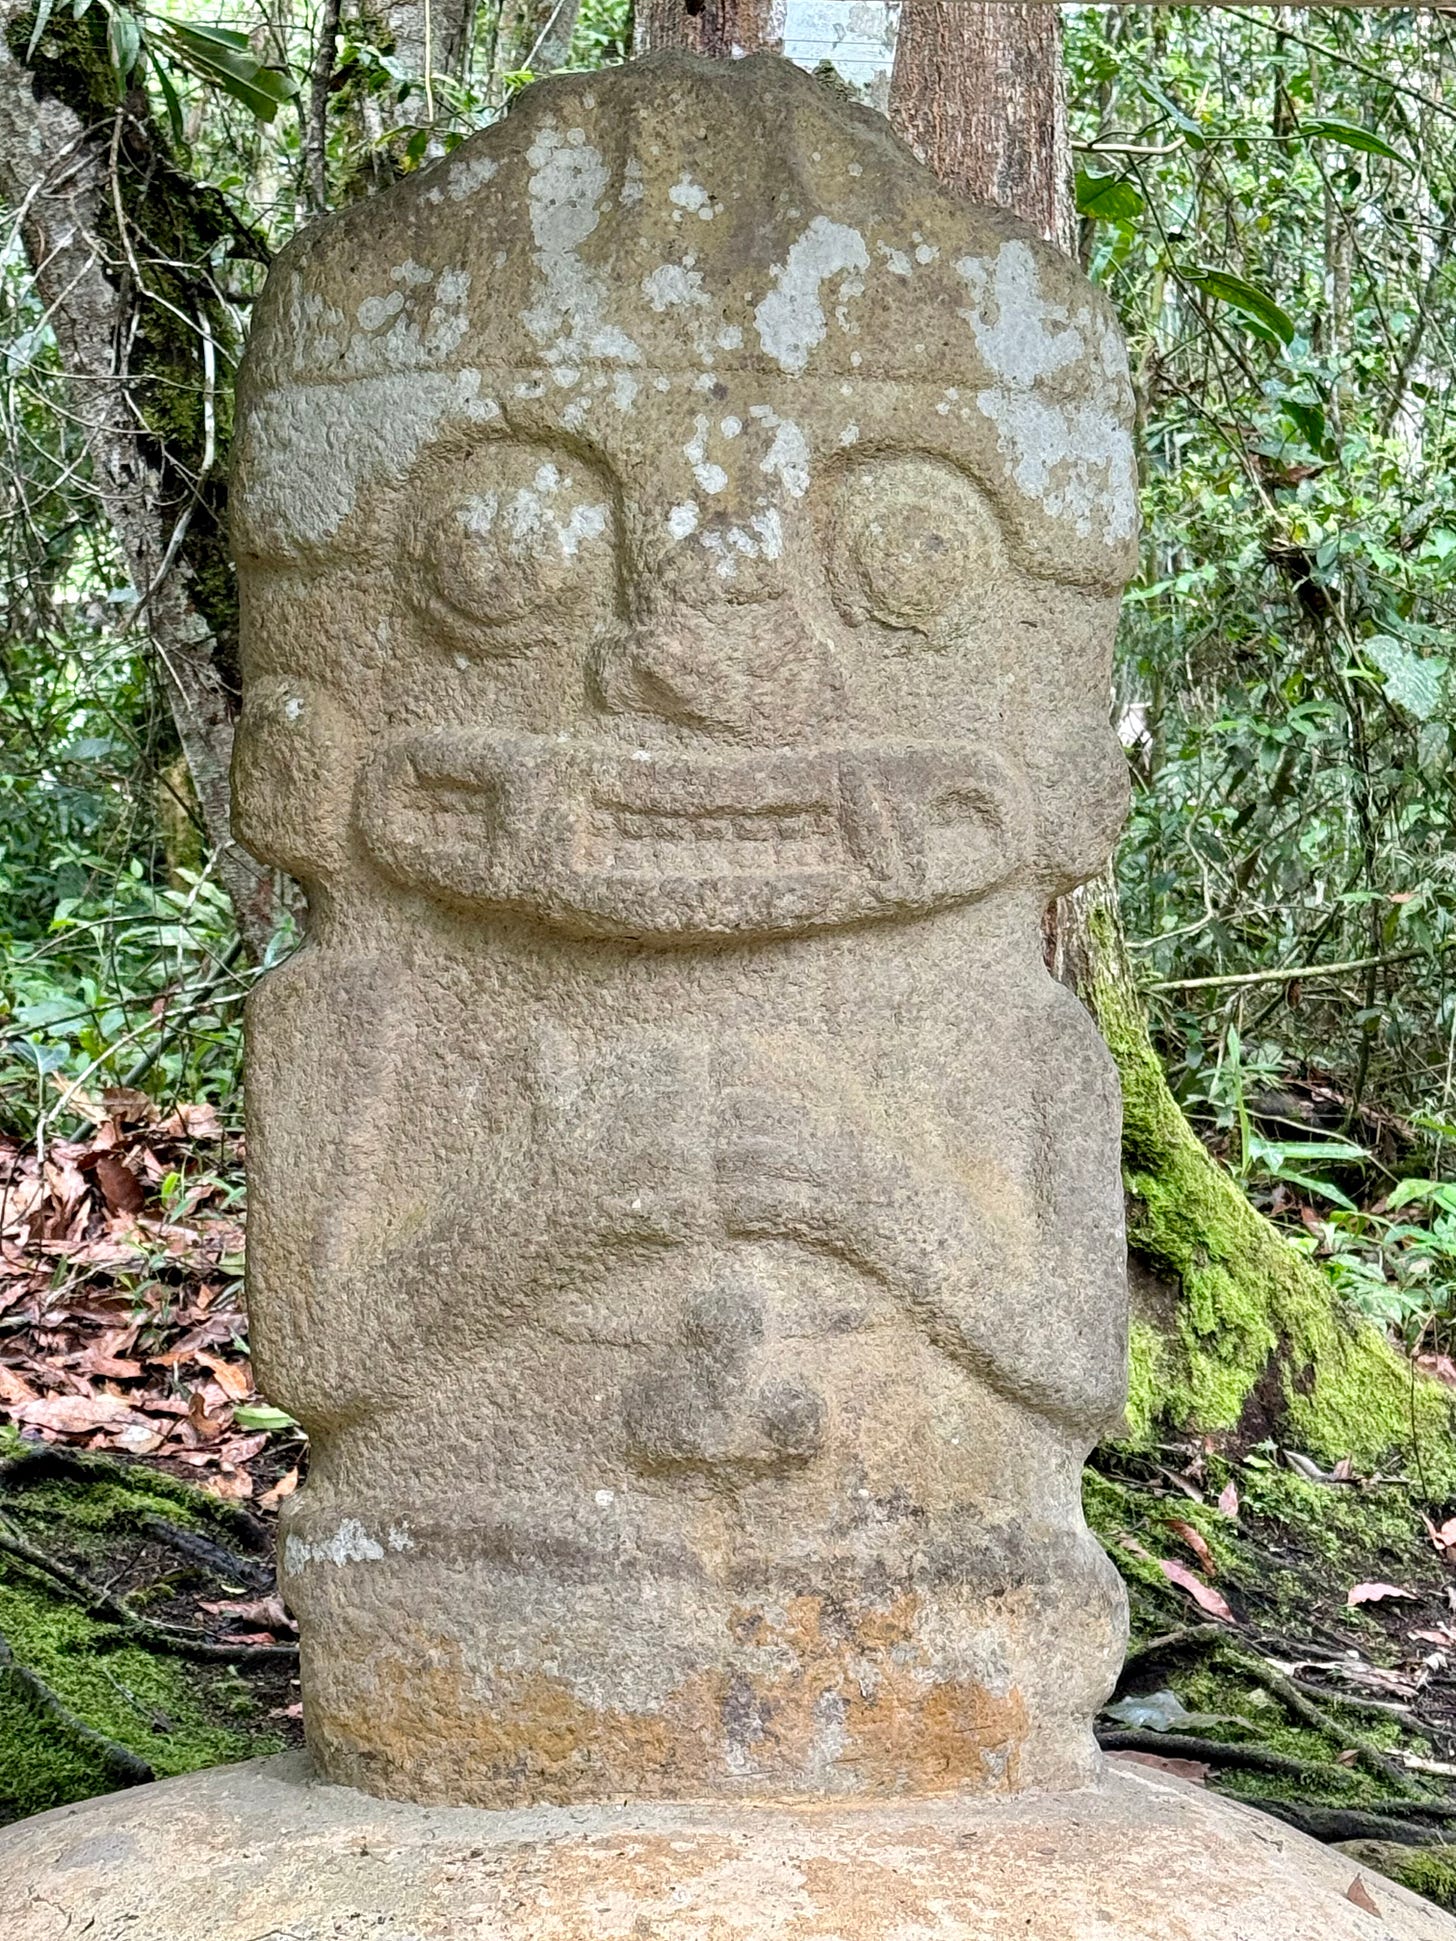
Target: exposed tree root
1330, 1824
118, 1761
115, 1610
1299, 1702
1213, 1752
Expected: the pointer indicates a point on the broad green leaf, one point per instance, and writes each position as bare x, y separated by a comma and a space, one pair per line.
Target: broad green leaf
1170, 107
1350, 135
1108, 198
214, 56
1321, 1187
42, 15
223, 36
260, 1415
1250, 301
1344, 1151
124, 40
1413, 681
169, 96
1440, 1192
1307, 419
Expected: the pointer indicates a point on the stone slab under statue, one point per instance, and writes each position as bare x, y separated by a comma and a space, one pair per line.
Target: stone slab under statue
680, 548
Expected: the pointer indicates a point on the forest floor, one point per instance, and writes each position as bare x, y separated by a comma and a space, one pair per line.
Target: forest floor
1294, 1628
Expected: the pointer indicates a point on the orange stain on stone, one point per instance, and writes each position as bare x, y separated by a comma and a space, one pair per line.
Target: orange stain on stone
846, 1702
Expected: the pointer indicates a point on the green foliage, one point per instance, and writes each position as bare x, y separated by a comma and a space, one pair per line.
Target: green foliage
1283, 262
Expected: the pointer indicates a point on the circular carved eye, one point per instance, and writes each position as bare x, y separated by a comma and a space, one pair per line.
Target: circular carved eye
913, 545
519, 539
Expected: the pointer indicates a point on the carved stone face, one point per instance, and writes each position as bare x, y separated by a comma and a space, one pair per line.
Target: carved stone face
675, 520
695, 597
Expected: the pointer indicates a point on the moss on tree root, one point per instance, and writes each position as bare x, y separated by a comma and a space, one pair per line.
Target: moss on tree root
1256, 1328
175, 1714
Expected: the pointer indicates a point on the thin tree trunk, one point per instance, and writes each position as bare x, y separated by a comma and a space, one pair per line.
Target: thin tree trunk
721, 29
535, 34
977, 92
431, 36
64, 178
316, 126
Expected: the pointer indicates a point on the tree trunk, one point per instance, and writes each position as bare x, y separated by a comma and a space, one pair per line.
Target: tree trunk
431, 36
977, 92
100, 205
721, 29
535, 34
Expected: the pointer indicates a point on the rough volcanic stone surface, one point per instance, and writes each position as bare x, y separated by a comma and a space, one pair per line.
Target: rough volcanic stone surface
261, 1853
680, 549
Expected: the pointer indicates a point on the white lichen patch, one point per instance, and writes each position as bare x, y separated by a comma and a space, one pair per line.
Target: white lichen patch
761, 537
1074, 457
674, 284
546, 518
418, 323
468, 173
349, 1544
787, 458
790, 320
375, 312
569, 317
1027, 337
682, 520
692, 198
710, 478
308, 452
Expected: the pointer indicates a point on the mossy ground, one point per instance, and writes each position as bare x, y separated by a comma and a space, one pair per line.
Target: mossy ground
176, 1713
1285, 1565
1430, 1871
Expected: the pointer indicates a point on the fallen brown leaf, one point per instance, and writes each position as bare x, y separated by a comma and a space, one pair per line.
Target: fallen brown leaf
1374, 1593
120, 1187
74, 1415
1196, 1542
1203, 1595
1190, 1769
136, 1439
285, 1486
1360, 1894
1228, 1499
258, 1610
232, 1485
14, 1388
234, 1378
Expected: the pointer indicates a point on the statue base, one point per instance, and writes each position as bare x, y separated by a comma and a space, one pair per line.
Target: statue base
266, 1852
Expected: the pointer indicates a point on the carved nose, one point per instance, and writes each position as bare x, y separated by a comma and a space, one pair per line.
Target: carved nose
681, 671
738, 668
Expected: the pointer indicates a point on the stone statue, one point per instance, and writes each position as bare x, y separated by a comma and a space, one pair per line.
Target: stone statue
680, 548
679, 612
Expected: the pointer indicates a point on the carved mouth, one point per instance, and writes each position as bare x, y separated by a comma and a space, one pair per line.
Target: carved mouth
631, 842
612, 834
